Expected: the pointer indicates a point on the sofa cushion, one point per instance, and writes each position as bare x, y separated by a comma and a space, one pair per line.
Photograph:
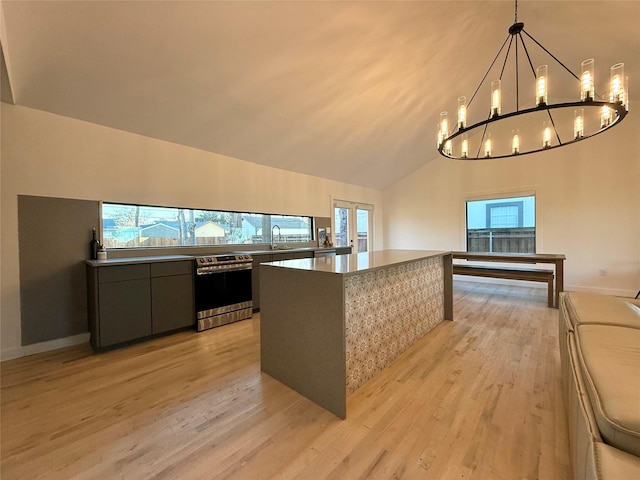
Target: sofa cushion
610, 363
584, 308
613, 464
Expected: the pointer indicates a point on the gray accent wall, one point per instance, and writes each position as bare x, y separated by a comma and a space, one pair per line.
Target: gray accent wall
54, 235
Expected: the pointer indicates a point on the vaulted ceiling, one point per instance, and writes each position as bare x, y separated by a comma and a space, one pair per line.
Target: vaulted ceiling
349, 91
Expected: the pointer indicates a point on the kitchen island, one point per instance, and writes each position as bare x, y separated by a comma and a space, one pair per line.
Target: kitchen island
329, 324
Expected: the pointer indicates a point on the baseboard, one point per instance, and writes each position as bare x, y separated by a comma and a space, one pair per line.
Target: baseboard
23, 351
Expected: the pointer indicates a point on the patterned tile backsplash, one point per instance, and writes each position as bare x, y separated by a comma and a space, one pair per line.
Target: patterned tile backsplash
387, 311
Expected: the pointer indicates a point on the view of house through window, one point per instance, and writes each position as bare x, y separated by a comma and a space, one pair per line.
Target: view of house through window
502, 225
138, 226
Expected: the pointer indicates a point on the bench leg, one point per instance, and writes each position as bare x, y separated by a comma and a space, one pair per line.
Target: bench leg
550, 295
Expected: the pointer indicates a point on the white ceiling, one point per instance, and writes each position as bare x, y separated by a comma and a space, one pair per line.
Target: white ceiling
349, 91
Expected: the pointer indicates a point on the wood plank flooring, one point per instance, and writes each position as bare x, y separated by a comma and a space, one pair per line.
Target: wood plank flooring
477, 398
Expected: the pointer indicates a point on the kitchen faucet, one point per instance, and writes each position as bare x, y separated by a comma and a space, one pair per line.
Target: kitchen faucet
273, 242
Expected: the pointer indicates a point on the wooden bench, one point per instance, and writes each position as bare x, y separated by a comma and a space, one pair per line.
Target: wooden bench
510, 273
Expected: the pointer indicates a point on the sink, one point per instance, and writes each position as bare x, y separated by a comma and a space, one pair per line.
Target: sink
281, 247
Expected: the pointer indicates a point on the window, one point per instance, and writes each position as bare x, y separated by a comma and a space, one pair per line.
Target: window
502, 225
138, 226
504, 215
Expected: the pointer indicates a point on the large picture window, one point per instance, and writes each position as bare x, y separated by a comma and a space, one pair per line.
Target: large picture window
502, 225
138, 226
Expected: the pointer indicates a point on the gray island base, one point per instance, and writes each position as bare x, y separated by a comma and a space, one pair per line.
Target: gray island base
329, 324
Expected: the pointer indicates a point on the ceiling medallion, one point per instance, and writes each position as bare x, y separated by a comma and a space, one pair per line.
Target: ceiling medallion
542, 127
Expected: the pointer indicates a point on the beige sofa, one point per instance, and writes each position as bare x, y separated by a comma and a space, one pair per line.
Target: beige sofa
600, 358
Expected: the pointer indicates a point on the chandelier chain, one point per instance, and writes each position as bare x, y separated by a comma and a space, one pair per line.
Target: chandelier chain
517, 79
516, 13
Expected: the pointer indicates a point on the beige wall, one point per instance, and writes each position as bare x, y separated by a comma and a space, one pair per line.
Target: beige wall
49, 155
588, 205
588, 195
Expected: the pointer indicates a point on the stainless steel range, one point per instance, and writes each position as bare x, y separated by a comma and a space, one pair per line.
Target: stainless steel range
222, 289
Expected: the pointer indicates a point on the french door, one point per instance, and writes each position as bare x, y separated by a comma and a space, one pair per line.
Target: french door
352, 224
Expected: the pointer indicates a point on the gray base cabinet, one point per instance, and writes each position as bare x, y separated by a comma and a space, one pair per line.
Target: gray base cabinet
125, 311
128, 302
171, 296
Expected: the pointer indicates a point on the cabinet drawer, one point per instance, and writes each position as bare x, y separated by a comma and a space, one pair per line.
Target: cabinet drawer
278, 257
120, 273
258, 259
165, 269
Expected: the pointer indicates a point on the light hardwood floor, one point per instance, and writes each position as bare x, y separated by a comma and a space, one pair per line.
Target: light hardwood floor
477, 398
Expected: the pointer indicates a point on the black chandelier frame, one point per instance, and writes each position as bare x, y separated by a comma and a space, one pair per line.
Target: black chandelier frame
618, 110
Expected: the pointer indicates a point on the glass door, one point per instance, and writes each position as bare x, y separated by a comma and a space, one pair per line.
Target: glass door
352, 225
341, 220
363, 221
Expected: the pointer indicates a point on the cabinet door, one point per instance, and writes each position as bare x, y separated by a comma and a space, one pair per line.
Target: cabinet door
172, 302
125, 311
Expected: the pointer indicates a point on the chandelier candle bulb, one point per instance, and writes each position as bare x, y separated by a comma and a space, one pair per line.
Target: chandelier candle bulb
464, 152
546, 135
605, 116
448, 148
625, 100
578, 123
462, 112
515, 142
444, 125
487, 146
586, 81
541, 85
496, 99
617, 83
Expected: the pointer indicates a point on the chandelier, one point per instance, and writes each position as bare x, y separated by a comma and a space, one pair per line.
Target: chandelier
541, 125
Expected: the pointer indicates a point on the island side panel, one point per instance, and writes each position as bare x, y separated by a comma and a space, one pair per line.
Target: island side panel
387, 311
302, 341
447, 264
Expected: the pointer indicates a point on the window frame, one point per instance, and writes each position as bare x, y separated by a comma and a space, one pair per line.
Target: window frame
308, 219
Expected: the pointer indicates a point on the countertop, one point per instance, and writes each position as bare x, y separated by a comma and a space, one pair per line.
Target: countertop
176, 258
282, 250
134, 260
357, 262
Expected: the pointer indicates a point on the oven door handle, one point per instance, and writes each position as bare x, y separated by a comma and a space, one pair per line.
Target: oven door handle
224, 270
